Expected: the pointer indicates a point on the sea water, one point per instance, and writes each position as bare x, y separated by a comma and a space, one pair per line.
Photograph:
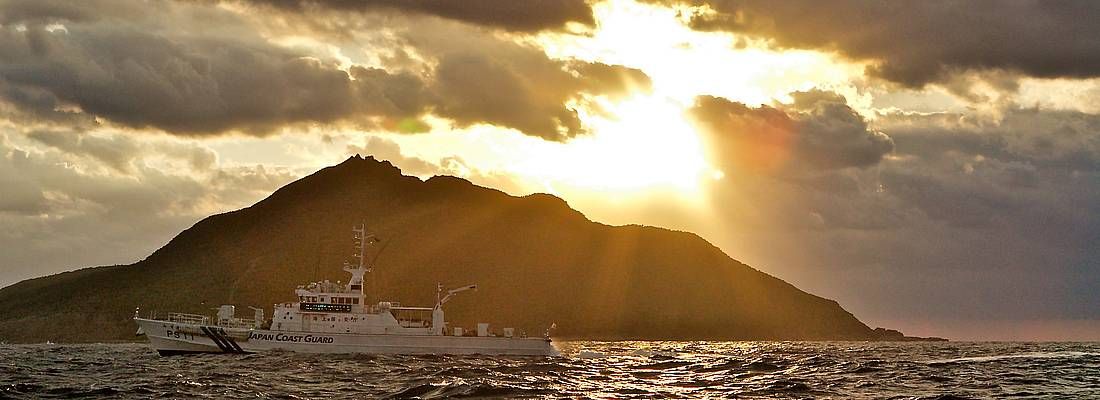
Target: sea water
794, 370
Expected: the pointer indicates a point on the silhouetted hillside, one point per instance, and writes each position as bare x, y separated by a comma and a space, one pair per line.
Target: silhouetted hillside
536, 260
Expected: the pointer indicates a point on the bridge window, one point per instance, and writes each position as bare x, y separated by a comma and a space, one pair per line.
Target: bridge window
325, 307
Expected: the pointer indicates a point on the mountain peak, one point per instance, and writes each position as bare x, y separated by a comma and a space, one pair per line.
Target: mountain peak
537, 260
359, 163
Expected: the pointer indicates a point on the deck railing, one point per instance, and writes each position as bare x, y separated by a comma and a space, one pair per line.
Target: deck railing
237, 323
183, 318
199, 319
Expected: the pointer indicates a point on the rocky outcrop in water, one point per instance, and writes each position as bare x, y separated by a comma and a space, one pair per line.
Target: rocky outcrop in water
536, 261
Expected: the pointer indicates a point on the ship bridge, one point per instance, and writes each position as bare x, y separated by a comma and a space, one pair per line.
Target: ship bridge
342, 307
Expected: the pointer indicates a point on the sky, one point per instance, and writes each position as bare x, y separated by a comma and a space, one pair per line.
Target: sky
934, 166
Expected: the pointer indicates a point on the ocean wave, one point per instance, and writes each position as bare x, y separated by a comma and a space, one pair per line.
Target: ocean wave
585, 370
1001, 357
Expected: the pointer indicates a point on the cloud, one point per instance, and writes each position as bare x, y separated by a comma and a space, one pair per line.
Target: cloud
123, 153
66, 185
1062, 139
919, 42
523, 16
154, 72
37, 12
818, 131
503, 94
189, 86
116, 152
995, 211
478, 77
21, 195
473, 76
531, 98
1023, 163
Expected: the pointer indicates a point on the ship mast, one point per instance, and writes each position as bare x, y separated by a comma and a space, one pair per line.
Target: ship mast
360, 242
362, 238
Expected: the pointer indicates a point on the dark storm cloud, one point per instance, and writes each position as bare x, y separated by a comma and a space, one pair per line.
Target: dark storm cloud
529, 15
479, 77
189, 86
919, 42
527, 96
153, 73
501, 94
818, 131
474, 75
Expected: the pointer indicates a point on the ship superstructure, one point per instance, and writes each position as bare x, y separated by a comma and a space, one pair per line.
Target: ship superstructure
335, 318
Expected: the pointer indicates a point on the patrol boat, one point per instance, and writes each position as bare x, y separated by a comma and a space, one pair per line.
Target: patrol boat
334, 318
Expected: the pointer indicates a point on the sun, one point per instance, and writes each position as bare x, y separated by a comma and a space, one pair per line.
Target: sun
684, 63
642, 142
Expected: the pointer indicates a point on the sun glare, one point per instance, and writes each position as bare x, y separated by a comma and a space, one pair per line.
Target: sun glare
643, 143
684, 63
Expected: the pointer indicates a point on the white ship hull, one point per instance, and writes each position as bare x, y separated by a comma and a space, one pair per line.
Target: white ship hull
170, 338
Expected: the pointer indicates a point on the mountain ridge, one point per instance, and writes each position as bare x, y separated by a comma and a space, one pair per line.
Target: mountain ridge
537, 260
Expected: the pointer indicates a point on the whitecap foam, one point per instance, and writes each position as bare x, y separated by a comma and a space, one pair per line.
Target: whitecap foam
588, 354
1054, 354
